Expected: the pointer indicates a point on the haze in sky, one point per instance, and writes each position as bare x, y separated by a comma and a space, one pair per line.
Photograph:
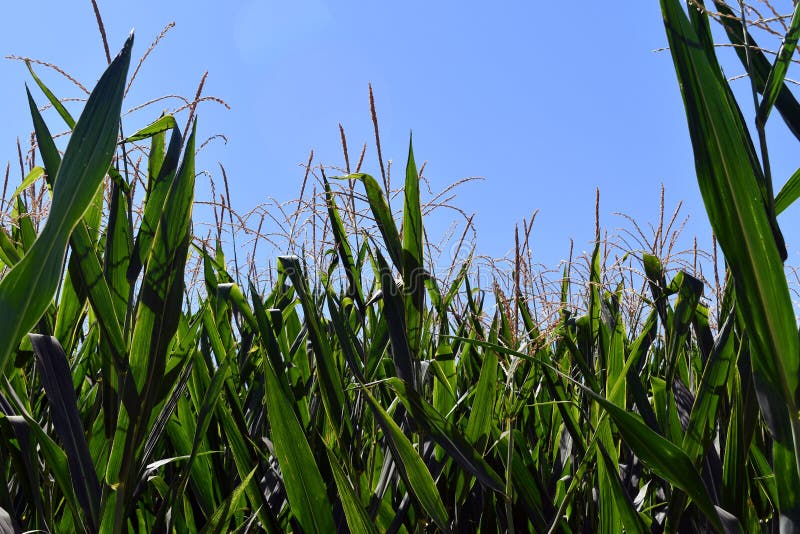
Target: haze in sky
546, 101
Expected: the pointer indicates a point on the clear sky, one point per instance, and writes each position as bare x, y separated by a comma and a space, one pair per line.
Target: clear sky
545, 100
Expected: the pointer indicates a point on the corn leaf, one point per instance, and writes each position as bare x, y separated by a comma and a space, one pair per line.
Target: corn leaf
27, 290
730, 183
160, 125
412, 469
57, 381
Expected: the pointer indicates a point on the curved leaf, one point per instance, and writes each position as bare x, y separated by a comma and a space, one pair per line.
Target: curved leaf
27, 290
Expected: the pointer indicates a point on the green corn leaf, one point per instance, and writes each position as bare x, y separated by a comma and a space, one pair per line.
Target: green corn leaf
222, 515
447, 436
789, 193
9, 253
343, 246
703, 417
330, 380
159, 181
156, 156
663, 457
244, 456
157, 315
608, 487
85, 272
481, 415
444, 396
412, 469
264, 326
24, 232
55, 457
413, 268
734, 469
57, 381
47, 147
757, 65
383, 217
118, 251
162, 287
160, 125
357, 518
27, 290
211, 398
304, 484
346, 336
68, 316
54, 101
730, 184
614, 341
395, 317
527, 488
35, 173
611, 486
689, 290
777, 74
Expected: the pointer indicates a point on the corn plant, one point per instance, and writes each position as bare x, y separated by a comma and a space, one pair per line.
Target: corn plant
736, 184
363, 394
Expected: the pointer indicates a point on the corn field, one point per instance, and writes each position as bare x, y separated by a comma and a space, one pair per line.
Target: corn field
145, 386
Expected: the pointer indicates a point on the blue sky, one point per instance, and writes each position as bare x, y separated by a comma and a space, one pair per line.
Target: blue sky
545, 100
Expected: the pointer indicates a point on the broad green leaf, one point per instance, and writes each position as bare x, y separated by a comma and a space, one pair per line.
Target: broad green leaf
54, 101
383, 217
47, 147
222, 515
395, 317
613, 340
734, 470
244, 456
703, 418
689, 290
526, 485
757, 65
343, 246
157, 315
412, 469
86, 277
160, 125
663, 457
330, 380
27, 290
24, 232
55, 458
732, 189
447, 436
789, 193
610, 484
444, 397
481, 415
413, 267
357, 518
57, 381
210, 399
346, 335
777, 74
118, 251
305, 487
162, 287
35, 173
9, 253
159, 182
